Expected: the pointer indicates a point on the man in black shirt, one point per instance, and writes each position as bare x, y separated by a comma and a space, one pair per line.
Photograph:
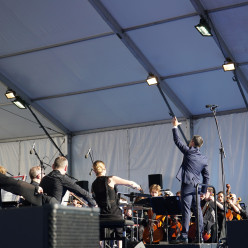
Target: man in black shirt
56, 183
35, 175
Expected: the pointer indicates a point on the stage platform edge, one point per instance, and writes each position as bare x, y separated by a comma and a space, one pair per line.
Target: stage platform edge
164, 245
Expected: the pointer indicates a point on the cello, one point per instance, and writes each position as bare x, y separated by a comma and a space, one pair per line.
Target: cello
175, 227
229, 214
154, 231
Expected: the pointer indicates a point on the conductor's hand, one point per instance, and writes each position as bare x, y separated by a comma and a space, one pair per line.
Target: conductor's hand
175, 122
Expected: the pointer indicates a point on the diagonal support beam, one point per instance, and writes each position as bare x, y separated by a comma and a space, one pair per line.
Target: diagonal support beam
219, 41
109, 19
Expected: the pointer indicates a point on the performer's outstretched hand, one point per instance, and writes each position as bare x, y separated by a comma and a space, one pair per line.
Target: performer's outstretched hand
40, 190
175, 122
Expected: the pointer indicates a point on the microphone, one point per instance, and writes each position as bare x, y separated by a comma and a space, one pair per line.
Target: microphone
32, 150
87, 154
213, 106
91, 172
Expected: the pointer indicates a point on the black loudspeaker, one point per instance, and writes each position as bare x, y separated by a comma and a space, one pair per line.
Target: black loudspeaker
236, 234
83, 184
155, 179
51, 226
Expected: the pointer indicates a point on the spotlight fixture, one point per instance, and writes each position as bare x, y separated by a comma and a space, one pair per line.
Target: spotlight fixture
151, 79
10, 94
228, 65
203, 28
19, 103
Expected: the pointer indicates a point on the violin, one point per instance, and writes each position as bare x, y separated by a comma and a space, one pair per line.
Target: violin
82, 203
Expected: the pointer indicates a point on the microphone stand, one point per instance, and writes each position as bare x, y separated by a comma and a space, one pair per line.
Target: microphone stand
92, 160
42, 167
44, 129
9, 174
222, 156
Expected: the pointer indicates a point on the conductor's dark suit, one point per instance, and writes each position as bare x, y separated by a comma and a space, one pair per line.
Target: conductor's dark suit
193, 166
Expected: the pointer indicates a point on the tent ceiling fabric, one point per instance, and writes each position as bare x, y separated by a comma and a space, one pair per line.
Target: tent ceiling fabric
66, 60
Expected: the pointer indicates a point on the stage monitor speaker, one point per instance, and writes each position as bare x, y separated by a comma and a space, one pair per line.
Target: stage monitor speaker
236, 234
51, 226
155, 179
83, 184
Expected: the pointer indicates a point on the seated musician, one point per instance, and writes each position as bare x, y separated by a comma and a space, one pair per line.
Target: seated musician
153, 225
105, 193
238, 212
220, 215
35, 175
155, 190
178, 193
209, 218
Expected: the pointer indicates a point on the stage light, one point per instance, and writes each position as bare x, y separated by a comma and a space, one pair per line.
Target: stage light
228, 65
203, 28
19, 103
10, 94
151, 79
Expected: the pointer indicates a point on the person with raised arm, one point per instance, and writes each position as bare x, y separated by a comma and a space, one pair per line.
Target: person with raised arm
194, 166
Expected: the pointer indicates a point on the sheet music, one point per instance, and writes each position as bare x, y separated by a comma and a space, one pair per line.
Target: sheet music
65, 199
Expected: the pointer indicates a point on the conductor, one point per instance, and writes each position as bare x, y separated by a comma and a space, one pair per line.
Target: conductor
193, 166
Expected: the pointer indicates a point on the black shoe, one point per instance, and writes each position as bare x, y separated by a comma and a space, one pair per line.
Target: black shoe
180, 240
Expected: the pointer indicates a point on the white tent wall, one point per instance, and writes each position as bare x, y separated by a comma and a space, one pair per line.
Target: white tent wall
16, 157
131, 154
234, 133
111, 147
137, 152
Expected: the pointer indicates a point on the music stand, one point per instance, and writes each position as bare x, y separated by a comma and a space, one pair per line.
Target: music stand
170, 205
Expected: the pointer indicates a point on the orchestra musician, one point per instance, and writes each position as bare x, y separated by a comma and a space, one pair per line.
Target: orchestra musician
237, 211
220, 215
56, 183
151, 230
105, 193
193, 166
35, 175
209, 218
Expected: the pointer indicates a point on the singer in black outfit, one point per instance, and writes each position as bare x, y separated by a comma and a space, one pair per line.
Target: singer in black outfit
56, 183
105, 193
